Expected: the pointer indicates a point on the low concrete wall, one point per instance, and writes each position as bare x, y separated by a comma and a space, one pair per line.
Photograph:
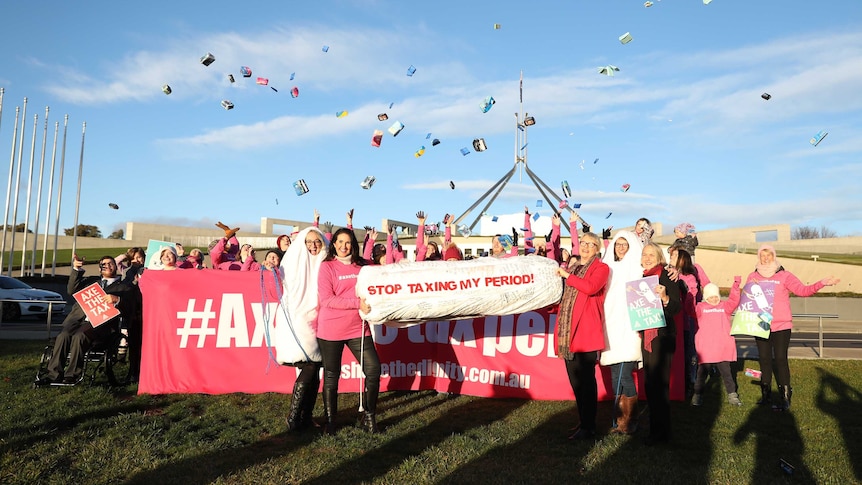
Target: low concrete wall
722, 266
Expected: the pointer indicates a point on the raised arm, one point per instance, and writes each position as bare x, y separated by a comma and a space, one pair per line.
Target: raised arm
573, 230
553, 245
799, 289
390, 252
368, 246
731, 303
421, 248
528, 229
514, 250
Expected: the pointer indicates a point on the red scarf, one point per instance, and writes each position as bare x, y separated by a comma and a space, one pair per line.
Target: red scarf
651, 333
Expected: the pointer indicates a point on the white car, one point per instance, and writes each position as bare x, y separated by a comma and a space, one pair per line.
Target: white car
36, 304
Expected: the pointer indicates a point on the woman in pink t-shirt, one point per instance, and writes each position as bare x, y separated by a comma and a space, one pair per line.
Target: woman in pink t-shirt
774, 348
339, 324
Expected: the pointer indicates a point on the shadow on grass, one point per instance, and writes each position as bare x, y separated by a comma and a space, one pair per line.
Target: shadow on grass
460, 419
844, 409
207, 467
776, 438
546, 453
24, 436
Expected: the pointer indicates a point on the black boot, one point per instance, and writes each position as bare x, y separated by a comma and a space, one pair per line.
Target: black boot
765, 394
369, 403
330, 409
369, 422
306, 412
786, 393
294, 417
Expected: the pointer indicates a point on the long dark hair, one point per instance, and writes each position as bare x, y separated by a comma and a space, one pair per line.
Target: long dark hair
685, 265
436, 255
378, 251
355, 257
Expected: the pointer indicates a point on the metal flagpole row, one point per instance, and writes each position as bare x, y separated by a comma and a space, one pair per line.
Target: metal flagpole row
29, 191
60, 196
39, 197
78, 196
50, 191
13, 193
9, 187
17, 184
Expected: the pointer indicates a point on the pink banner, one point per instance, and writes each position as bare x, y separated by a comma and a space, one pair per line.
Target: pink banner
205, 332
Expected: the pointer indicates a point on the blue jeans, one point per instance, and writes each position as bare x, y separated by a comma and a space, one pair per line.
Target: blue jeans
622, 375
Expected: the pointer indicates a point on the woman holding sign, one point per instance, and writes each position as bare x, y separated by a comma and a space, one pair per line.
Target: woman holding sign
579, 334
339, 324
658, 346
769, 272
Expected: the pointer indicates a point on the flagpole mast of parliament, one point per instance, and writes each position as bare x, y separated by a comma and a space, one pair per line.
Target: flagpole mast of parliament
522, 123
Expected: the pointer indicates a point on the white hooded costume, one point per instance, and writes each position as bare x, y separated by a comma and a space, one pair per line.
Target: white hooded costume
296, 341
622, 343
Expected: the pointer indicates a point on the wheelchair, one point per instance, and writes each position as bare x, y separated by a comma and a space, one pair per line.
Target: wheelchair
109, 356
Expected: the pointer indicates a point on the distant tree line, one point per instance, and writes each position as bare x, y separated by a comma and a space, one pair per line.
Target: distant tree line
83, 231
18, 228
808, 232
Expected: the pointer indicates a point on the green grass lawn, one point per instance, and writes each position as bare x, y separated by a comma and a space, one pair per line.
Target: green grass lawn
101, 435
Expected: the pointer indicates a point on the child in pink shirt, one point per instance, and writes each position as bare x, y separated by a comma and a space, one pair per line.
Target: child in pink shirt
716, 347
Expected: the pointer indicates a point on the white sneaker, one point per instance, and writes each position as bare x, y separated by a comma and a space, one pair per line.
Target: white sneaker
697, 399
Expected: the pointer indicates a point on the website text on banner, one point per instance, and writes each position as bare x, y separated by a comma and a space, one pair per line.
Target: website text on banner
205, 332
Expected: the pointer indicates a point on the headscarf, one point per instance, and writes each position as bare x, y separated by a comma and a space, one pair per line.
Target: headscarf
617, 322
767, 270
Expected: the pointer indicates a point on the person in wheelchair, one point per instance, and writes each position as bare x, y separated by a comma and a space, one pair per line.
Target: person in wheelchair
78, 335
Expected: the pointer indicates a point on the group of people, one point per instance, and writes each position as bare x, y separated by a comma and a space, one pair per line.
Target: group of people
593, 325
316, 275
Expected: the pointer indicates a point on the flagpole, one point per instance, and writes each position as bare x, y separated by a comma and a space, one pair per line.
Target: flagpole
29, 194
9, 187
17, 185
50, 198
78, 196
39, 196
59, 195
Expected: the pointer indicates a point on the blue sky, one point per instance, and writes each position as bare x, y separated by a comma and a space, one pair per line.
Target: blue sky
682, 122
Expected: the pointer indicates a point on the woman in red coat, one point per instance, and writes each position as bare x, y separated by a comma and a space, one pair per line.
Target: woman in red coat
580, 328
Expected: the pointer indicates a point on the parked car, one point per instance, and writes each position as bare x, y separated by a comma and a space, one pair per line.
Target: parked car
13, 289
